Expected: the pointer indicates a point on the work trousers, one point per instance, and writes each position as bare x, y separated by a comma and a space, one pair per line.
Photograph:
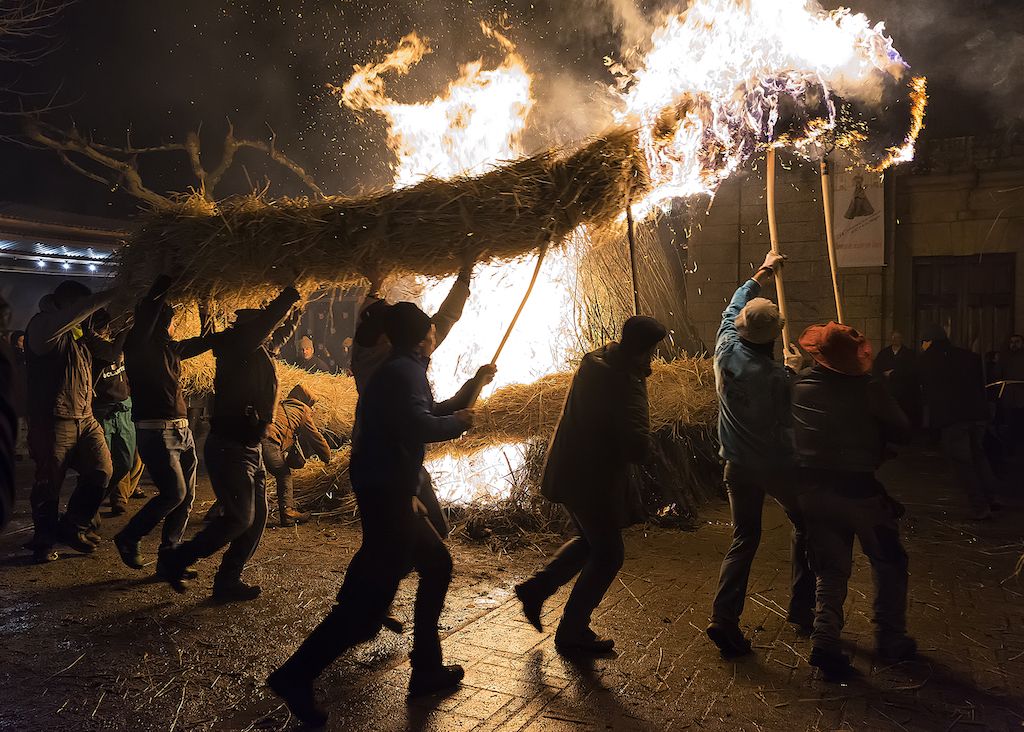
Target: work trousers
119, 432
395, 541
595, 554
747, 489
274, 460
239, 483
55, 445
130, 483
170, 456
964, 446
833, 520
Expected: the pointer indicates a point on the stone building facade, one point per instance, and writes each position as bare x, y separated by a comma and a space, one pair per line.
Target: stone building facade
954, 240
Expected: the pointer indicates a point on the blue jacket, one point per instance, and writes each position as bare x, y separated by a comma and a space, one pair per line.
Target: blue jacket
396, 418
755, 422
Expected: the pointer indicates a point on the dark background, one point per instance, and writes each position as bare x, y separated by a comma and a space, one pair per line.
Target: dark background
160, 68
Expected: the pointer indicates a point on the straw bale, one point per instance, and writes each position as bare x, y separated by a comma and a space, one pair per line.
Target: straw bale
241, 249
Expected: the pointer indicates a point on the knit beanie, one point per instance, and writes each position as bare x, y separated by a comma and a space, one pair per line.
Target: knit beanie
640, 333
759, 321
406, 325
371, 324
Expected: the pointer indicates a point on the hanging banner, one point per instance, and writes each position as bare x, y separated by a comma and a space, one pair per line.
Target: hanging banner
858, 217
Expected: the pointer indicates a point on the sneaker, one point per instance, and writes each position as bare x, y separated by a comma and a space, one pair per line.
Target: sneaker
130, 552
291, 517
44, 555
118, 509
162, 572
139, 493
729, 639
299, 698
894, 649
435, 680
834, 666
532, 606
76, 539
236, 591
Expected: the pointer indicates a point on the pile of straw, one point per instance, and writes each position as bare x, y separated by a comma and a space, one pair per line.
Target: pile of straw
240, 249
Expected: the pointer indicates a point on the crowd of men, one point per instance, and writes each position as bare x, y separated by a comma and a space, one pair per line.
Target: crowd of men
105, 403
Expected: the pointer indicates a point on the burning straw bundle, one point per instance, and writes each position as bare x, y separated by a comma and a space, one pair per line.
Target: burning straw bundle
240, 249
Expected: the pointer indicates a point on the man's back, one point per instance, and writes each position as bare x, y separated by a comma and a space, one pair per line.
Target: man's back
953, 383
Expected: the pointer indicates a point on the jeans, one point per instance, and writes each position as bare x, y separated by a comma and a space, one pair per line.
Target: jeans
833, 520
395, 541
170, 456
273, 459
964, 445
239, 482
55, 445
119, 432
596, 554
747, 489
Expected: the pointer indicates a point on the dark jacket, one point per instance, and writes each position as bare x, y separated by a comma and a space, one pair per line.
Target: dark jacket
58, 361
755, 424
396, 417
294, 422
367, 359
9, 384
245, 382
110, 380
604, 428
153, 359
953, 385
315, 364
843, 423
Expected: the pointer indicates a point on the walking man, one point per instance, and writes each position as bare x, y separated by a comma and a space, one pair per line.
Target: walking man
245, 394
604, 429
842, 421
395, 419
63, 433
755, 427
112, 404
165, 443
292, 433
953, 383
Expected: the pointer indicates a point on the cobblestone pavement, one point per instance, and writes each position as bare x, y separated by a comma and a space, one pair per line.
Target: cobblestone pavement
966, 611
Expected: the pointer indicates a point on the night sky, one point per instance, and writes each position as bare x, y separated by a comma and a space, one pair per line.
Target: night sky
161, 68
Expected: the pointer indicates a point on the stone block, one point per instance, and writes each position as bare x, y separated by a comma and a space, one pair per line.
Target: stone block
853, 285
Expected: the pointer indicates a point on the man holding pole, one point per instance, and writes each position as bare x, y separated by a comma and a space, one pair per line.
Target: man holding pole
755, 427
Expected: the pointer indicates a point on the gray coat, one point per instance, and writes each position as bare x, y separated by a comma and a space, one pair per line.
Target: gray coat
603, 430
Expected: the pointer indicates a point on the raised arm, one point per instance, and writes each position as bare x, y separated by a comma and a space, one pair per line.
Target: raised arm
285, 331
246, 337
103, 350
451, 309
44, 329
464, 397
745, 293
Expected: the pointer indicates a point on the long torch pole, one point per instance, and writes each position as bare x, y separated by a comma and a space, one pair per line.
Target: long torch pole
632, 255
508, 332
826, 202
773, 233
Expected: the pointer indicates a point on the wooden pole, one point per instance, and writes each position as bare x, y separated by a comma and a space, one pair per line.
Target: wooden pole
773, 233
632, 255
826, 202
515, 318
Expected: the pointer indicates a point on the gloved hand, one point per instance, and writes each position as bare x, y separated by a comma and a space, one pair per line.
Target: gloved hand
773, 261
792, 357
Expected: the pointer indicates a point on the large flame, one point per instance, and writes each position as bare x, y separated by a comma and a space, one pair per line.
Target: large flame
476, 123
726, 76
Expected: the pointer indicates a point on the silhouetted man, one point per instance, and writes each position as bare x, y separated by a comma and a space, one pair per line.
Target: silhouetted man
842, 420
953, 384
10, 398
396, 418
245, 395
755, 427
604, 429
1012, 399
896, 367
63, 433
293, 432
165, 441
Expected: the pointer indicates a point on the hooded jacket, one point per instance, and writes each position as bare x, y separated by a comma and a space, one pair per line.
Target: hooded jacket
294, 422
953, 383
604, 428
